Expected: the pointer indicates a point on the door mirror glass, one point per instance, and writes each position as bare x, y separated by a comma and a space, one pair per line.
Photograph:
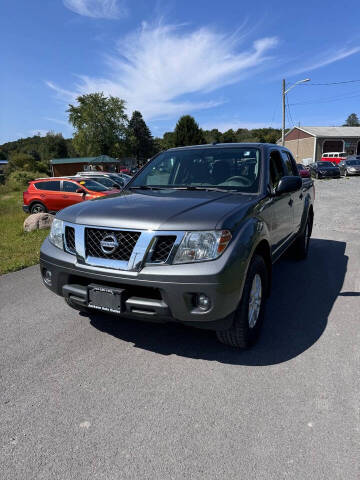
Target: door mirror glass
288, 185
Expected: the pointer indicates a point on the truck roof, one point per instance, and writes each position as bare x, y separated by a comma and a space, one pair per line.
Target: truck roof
226, 145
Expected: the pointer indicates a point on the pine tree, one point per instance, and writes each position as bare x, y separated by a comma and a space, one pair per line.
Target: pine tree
140, 140
352, 121
187, 132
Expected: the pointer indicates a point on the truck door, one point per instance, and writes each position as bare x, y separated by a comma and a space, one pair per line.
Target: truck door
296, 197
281, 219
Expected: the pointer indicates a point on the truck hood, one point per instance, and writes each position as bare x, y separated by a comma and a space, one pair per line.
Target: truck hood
159, 210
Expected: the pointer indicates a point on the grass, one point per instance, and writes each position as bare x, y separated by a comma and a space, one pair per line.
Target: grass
17, 248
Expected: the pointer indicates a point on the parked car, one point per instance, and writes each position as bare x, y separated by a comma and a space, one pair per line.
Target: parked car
194, 246
53, 194
119, 178
350, 166
334, 157
324, 170
303, 171
106, 181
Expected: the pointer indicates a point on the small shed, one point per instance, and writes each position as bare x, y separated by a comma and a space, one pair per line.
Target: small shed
312, 142
70, 166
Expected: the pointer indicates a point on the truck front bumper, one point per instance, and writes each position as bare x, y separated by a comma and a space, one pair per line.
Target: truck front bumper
158, 294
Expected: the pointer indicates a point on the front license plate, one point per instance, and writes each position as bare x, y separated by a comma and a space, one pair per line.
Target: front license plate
106, 299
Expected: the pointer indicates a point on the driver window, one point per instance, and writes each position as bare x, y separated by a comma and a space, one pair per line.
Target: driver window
276, 168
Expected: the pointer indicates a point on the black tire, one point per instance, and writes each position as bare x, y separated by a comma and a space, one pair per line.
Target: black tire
300, 248
241, 334
38, 208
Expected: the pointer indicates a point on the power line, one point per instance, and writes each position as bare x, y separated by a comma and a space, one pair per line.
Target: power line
289, 111
327, 99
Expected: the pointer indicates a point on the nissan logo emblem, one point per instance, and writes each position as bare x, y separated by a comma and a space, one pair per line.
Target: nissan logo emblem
109, 244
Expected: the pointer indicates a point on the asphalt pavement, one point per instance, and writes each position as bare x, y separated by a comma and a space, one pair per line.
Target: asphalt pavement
101, 398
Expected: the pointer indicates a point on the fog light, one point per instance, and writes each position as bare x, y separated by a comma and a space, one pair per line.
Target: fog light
203, 301
47, 276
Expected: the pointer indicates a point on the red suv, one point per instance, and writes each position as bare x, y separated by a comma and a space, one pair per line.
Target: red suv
53, 194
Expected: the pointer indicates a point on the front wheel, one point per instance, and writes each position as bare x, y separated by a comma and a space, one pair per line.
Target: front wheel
37, 208
248, 317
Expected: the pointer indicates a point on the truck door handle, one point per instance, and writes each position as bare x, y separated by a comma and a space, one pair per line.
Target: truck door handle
291, 202
65, 196
301, 196
42, 195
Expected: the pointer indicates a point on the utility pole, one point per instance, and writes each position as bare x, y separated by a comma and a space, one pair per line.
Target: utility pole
284, 92
283, 113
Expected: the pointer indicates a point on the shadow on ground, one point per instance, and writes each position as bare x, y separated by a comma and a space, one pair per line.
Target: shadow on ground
302, 297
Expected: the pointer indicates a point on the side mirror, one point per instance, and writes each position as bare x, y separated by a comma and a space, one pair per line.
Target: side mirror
288, 185
81, 190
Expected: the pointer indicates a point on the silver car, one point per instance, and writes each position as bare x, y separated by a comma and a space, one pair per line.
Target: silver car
351, 166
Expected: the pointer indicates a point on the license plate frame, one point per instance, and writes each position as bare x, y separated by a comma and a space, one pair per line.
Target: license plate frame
105, 299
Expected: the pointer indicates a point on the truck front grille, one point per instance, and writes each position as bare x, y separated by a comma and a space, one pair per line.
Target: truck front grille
162, 248
123, 241
70, 239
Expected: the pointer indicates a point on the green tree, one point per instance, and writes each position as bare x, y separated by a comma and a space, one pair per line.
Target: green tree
22, 161
139, 138
100, 124
229, 136
187, 132
352, 121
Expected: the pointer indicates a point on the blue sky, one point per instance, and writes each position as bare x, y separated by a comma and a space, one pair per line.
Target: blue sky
222, 62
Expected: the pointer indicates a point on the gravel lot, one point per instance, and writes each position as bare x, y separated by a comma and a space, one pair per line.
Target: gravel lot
107, 399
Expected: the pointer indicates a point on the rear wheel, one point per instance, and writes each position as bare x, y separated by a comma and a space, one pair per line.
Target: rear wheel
37, 208
248, 317
301, 245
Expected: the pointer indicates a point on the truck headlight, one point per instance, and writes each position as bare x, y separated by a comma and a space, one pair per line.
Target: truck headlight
202, 246
352, 169
57, 233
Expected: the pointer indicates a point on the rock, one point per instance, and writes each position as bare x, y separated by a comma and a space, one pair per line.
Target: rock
38, 221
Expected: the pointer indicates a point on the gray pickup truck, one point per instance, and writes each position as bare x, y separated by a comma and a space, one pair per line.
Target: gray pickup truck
192, 239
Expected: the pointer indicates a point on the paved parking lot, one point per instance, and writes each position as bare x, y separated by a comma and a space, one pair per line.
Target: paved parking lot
113, 399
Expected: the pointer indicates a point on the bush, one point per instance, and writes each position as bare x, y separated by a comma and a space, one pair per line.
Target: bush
19, 179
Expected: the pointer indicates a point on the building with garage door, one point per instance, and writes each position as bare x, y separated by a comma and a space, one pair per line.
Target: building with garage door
311, 142
70, 166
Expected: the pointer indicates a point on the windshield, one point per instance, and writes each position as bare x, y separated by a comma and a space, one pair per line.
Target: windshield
326, 164
104, 181
92, 185
353, 162
235, 169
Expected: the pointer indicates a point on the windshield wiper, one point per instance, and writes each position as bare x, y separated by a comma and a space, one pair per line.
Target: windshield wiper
144, 187
206, 189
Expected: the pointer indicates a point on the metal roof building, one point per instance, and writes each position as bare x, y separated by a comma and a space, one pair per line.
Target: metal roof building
312, 142
69, 166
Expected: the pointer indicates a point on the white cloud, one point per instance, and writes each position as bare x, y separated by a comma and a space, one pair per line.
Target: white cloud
110, 9
154, 68
330, 57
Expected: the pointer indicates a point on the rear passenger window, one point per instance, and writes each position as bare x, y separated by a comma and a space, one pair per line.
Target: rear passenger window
53, 185
70, 187
325, 155
290, 164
